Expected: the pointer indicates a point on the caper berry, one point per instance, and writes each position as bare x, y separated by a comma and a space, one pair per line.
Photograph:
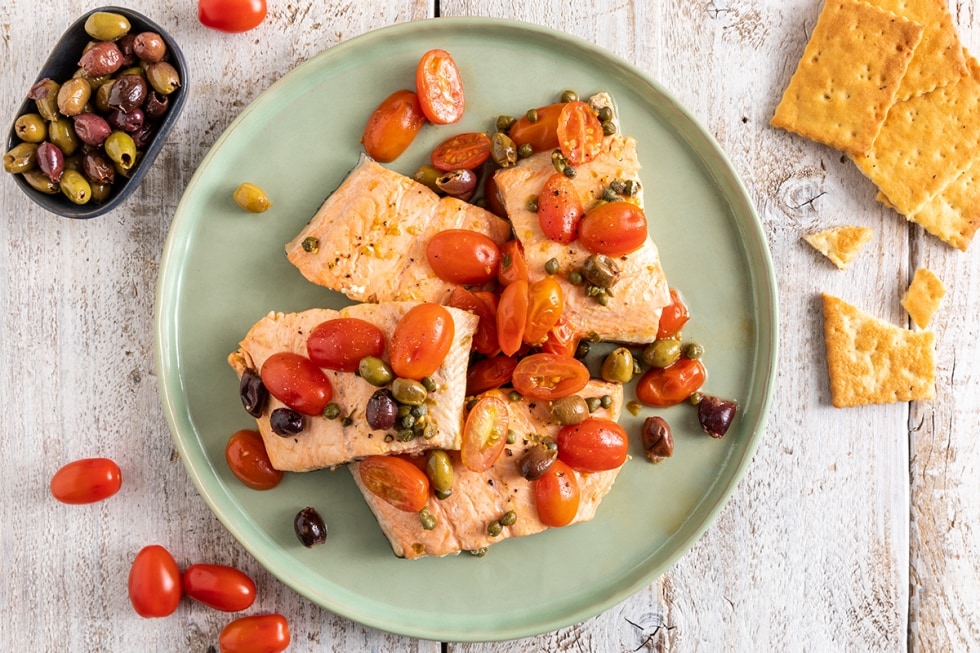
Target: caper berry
618, 366
310, 527
375, 371
251, 198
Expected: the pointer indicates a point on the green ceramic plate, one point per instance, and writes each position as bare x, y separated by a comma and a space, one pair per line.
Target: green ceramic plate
224, 269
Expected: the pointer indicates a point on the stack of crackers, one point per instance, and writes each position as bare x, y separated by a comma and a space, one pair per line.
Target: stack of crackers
888, 83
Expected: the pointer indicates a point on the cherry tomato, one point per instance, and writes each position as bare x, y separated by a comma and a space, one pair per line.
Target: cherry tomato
484, 434
421, 341
545, 302
396, 480
613, 228
549, 376
249, 461
297, 382
231, 15
468, 150
260, 633
393, 126
512, 317
440, 87
557, 495
86, 481
594, 445
513, 265
559, 209
485, 337
579, 133
463, 256
673, 317
561, 339
541, 133
219, 587
154, 582
489, 373
492, 194
668, 386
341, 343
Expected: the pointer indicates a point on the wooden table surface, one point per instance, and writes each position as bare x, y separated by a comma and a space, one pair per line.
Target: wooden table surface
852, 530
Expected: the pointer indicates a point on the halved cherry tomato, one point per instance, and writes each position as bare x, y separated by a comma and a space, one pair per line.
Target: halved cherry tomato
513, 265
86, 481
549, 376
463, 256
231, 15
489, 373
484, 434
559, 209
545, 302
249, 461
668, 386
260, 633
485, 337
295, 381
594, 445
541, 133
154, 582
492, 194
468, 150
340, 344
421, 341
561, 339
579, 133
440, 87
393, 126
613, 228
512, 317
396, 480
673, 317
220, 587
557, 495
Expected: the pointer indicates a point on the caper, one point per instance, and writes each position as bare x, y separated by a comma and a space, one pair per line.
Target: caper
618, 366
409, 391
569, 410
531, 115
551, 266
569, 95
121, 149
525, 150
331, 410
532, 204
439, 469
20, 158
45, 96
73, 96
608, 127
106, 25
582, 349
494, 528
605, 114
311, 244
309, 527
503, 150
594, 404
509, 518
427, 519
375, 371
163, 77
75, 187
405, 435
427, 175
40, 181
251, 198
407, 421
429, 383
559, 161
693, 350
662, 352
31, 128
504, 123
575, 278
536, 461
600, 270
605, 401
569, 171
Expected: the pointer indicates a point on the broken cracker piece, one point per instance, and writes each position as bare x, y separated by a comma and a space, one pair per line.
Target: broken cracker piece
840, 244
872, 362
953, 215
923, 296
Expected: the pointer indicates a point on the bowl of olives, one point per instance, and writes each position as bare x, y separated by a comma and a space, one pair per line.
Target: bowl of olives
98, 114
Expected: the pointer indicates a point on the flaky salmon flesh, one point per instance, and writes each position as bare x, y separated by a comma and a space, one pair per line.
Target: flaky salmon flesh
330, 442
479, 498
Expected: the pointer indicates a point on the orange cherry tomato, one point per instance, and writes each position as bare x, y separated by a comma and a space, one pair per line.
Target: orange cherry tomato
673, 317
492, 194
594, 445
513, 265
668, 386
340, 344
489, 373
86, 481
541, 133
484, 434
545, 302
440, 87
393, 126
396, 480
557, 495
463, 256
613, 228
249, 461
260, 633
561, 339
219, 587
468, 150
421, 341
154, 582
559, 209
485, 337
295, 381
512, 317
579, 133
549, 376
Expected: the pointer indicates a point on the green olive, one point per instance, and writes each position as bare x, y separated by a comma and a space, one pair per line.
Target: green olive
75, 187
427, 175
503, 150
251, 198
121, 149
409, 392
40, 181
569, 410
61, 132
163, 77
45, 93
101, 100
106, 25
662, 352
31, 128
439, 469
20, 158
618, 366
73, 96
100, 191
375, 371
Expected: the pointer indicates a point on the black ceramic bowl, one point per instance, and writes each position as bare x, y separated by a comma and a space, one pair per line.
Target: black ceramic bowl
61, 66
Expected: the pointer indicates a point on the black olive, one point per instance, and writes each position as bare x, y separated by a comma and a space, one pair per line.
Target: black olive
310, 527
253, 393
286, 422
382, 410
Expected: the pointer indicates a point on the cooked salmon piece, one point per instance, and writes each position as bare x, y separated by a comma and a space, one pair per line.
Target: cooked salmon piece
331, 442
372, 232
479, 498
633, 311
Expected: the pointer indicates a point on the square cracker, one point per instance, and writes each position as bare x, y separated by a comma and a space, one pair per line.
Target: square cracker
840, 244
848, 76
923, 297
872, 362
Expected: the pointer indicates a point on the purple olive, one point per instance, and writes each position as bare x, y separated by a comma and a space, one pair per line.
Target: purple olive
253, 393
286, 422
130, 122
98, 168
127, 93
103, 58
310, 527
382, 410
91, 128
50, 160
715, 415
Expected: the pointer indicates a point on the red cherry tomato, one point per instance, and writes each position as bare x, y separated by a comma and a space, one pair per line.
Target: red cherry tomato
561, 339
86, 481
489, 373
297, 382
440, 87
513, 265
154, 582
261, 633
668, 386
492, 193
542, 132
219, 587
594, 445
485, 338
545, 302
396, 480
393, 126
559, 209
579, 133
673, 317
468, 150
341, 343
249, 461
512, 317
613, 228
484, 434
463, 256
549, 376
421, 341
231, 15
557, 495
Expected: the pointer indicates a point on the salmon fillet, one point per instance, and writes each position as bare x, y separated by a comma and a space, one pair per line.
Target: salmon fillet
633, 311
479, 498
328, 442
372, 233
